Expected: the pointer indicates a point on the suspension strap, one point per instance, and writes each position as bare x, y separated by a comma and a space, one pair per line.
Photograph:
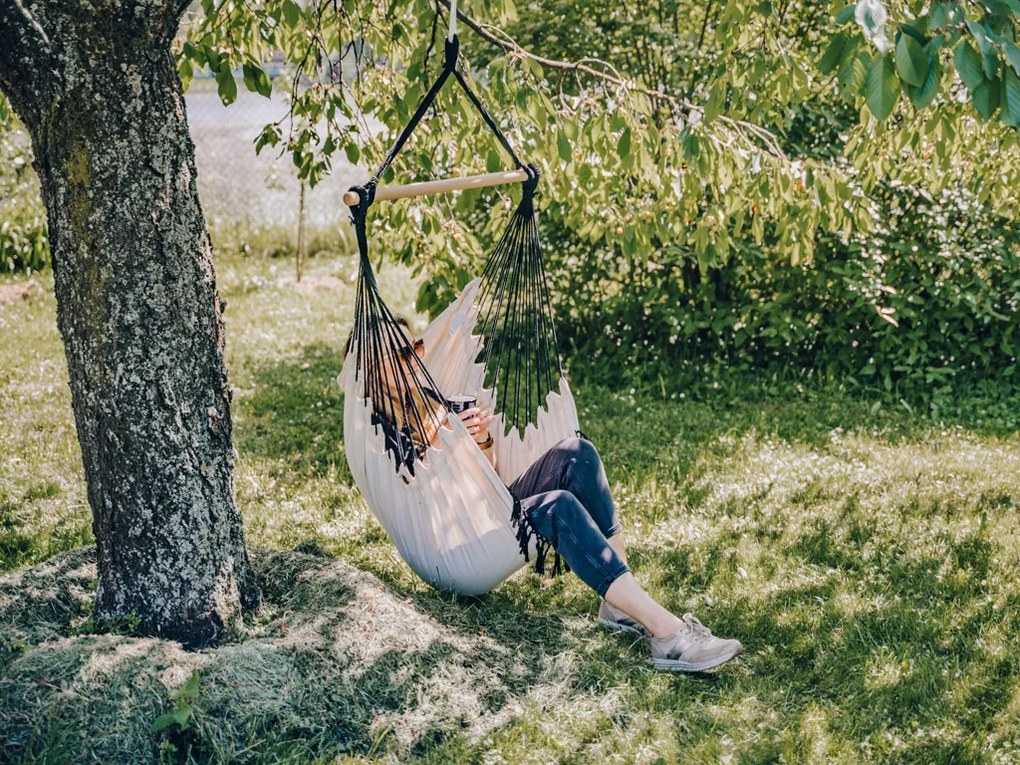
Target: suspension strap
451, 52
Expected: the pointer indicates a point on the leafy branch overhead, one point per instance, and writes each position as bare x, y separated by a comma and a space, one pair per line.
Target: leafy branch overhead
976, 39
676, 133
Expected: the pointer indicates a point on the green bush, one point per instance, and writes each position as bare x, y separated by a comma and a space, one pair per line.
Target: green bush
931, 298
24, 245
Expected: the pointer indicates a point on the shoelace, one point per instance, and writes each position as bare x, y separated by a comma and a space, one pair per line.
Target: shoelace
699, 631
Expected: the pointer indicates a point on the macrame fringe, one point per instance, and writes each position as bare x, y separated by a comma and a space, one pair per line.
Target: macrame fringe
525, 531
515, 319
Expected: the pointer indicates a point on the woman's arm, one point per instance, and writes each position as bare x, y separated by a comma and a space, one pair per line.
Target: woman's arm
433, 423
490, 455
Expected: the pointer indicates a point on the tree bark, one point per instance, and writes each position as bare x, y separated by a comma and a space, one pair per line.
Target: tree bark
137, 308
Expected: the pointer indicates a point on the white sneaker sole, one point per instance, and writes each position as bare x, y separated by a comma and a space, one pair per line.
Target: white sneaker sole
677, 665
609, 624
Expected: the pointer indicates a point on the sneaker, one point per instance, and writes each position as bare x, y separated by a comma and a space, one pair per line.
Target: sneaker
615, 619
692, 648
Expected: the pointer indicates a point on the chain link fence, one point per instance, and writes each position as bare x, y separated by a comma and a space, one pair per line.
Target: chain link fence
255, 202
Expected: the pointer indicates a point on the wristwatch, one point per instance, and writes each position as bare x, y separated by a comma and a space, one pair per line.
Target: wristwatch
486, 444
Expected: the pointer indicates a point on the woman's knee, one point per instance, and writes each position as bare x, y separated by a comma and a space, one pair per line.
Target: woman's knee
564, 506
578, 447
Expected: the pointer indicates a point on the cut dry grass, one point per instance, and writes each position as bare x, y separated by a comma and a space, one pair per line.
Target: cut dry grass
310, 676
866, 559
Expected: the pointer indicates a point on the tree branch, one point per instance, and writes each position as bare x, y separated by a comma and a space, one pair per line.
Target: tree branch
169, 19
747, 130
35, 25
26, 57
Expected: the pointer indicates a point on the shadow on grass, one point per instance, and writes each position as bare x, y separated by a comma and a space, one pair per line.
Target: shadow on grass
335, 662
21, 545
891, 635
905, 645
635, 432
295, 415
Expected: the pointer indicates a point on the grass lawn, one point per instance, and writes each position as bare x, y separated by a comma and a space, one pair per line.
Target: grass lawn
866, 558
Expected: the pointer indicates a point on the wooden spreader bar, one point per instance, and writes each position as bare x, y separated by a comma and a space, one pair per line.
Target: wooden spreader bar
441, 186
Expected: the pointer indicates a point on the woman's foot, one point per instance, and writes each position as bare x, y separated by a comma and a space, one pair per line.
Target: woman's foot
692, 648
615, 619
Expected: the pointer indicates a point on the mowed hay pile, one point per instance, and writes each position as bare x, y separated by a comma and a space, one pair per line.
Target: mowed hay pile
336, 662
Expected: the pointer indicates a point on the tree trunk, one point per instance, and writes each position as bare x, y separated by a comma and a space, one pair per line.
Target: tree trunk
97, 88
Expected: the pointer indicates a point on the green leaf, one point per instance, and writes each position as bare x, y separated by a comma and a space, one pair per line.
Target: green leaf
186, 73
492, 161
715, 103
919, 38
990, 64
226, 86
213, 57
911, 61
163, 721
942, 14
980, 35
623, 147
1011, 98
353, 152
881, 86
563, 147
257, 80
922, 96
690, 144
986, 99
852, 71
1012, 55
847, 14
834, 53
536, 69
968, 65
291, 13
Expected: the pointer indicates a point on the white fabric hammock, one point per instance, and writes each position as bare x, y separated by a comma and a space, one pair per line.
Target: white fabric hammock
451, 521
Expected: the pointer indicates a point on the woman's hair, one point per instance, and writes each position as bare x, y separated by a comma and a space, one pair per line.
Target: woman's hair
424, 422
401, 320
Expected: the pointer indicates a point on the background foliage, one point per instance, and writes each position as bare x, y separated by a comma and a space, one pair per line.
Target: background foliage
825, 190
24, 245
828, 190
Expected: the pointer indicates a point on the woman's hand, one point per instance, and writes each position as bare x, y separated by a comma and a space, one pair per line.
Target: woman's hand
477, 421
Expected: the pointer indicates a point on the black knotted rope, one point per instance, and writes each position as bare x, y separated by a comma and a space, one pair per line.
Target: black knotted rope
519, 340
522, 364
405, 399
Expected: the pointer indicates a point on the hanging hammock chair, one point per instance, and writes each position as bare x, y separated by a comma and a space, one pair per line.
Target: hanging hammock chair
448, 512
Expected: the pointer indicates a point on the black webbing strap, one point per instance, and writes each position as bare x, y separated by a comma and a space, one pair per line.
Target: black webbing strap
452, 50
488, 118
405, 398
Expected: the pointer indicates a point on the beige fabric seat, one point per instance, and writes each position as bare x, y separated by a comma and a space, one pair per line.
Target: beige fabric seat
451, 521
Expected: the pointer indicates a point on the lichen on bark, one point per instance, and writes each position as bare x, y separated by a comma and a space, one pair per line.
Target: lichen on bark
137, 308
